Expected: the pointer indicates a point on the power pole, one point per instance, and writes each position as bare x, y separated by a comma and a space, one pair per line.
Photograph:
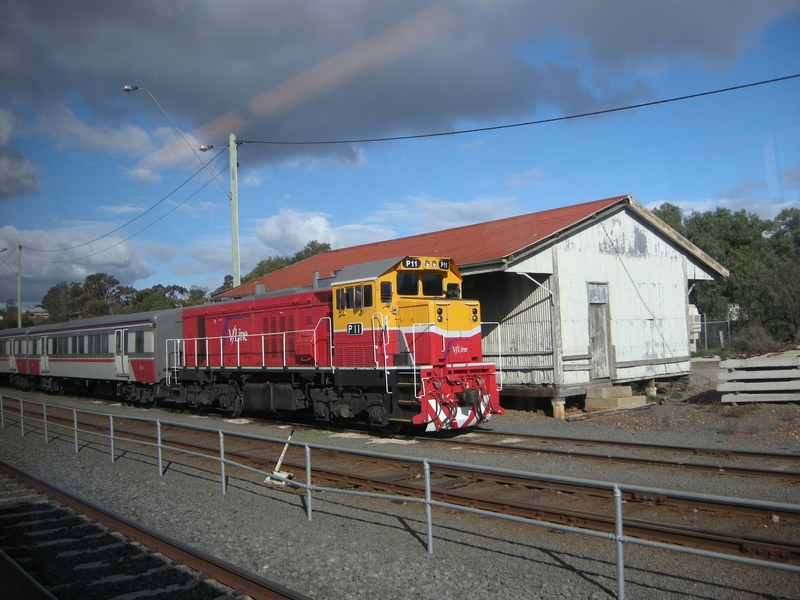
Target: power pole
19, 288
234, 196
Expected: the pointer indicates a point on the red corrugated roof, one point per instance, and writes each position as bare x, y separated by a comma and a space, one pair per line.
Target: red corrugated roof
466, 245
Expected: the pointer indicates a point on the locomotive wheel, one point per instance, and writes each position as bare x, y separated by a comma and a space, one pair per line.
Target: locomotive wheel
237, 406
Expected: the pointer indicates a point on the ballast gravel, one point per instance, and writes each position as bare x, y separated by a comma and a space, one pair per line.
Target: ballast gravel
366, 548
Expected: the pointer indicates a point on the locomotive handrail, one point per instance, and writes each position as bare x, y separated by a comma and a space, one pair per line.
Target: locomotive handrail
330, 341
220, 362
383, 326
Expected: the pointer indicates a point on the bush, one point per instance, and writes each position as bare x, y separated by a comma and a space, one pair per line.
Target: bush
753, 339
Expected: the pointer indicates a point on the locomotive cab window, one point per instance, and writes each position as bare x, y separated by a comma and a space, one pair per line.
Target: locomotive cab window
432, 284
408, 284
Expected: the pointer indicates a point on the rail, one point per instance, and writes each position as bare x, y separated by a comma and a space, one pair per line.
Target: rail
616, 489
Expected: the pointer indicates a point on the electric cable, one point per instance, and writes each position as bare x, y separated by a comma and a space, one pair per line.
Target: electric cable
135, 218
166, 214
528, 123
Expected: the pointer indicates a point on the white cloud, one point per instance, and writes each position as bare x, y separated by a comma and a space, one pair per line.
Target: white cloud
528, 178
290, 230
143, 176
422, 213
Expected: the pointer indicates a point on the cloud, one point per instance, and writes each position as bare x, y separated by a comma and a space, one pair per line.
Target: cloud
17, 174
528, 178
62, 124
290, 230
47, 261
422, 213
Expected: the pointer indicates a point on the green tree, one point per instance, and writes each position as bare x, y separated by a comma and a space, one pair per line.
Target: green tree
62, 301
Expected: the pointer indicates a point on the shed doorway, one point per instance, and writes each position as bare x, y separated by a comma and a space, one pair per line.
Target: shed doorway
599, 328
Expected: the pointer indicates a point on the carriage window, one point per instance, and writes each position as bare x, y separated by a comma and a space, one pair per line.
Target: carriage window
139, 342
386, 292
407, 284
432, 285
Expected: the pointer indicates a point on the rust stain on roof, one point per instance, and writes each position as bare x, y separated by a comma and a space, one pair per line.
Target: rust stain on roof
467, 245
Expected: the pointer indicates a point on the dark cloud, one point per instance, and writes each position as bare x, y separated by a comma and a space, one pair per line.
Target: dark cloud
287, 71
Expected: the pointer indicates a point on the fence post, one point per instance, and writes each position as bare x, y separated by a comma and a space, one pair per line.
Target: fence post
2, 413
308, 482
21, 419
44, 418
222, 460
75, 427
160, 469
705, 330
428, 516
111, 434
618, 541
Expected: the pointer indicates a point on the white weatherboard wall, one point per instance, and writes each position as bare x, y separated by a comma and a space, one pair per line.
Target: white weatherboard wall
646, 279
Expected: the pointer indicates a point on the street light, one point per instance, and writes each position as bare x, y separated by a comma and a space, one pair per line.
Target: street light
233, 145
233, 196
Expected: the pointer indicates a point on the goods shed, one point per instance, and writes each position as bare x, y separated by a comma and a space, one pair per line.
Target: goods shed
572, 298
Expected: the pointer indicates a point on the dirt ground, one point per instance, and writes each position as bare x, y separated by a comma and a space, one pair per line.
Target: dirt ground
694, 403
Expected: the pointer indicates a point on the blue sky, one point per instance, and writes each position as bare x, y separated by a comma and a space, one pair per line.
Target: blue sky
79, 158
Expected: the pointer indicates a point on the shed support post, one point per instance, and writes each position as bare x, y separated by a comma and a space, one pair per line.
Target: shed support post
558, 408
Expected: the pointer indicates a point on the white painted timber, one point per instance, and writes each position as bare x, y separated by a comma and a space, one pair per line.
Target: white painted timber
774, 360
742, 375
759, 386
739, 398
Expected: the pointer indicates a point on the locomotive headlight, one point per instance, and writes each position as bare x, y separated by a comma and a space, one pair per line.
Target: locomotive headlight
427, 264
439, 314
433, 264
474, 315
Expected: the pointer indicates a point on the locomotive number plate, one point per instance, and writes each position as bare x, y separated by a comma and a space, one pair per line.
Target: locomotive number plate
412, 263
354, 329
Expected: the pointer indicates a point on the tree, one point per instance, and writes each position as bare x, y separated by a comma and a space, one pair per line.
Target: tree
62, 301
227, 284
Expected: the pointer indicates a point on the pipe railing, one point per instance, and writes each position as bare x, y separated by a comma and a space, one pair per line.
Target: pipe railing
615, 489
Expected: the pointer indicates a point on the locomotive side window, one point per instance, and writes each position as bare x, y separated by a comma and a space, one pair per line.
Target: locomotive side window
340, 299
407, 284
368, 295
349, 297
432, 285
386, 292
359, 298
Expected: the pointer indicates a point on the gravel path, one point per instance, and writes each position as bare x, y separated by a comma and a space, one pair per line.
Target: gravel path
361, 548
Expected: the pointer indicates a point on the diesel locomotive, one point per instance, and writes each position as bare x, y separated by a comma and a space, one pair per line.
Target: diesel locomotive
388, 342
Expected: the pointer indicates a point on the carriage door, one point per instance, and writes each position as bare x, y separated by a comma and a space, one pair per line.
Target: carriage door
599, 338
45, 364
121, 351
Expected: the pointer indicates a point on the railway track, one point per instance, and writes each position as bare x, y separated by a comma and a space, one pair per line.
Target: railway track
685, 519
74, 549
787, 465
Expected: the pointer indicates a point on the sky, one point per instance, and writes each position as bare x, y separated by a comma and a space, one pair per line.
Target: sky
96, 180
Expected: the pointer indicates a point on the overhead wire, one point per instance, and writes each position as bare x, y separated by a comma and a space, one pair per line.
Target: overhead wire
166, 214
528, 123
105, 235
